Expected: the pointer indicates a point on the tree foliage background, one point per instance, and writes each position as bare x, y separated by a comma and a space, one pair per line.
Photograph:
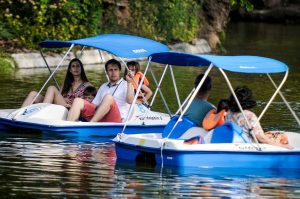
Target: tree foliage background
27, 22
31, 21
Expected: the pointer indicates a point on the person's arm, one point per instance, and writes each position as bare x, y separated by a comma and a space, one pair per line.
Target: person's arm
146, 82
129, 92
262, 138
260, 135
147, 90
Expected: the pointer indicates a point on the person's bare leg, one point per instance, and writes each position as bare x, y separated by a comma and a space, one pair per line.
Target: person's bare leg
76, 108
53, 96
103, 109
30, 98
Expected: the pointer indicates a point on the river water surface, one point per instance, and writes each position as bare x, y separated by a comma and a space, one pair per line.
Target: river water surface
39, 166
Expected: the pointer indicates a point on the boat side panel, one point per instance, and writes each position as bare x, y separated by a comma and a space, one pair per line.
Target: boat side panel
231, 159
213, 159
81, 131
126, 153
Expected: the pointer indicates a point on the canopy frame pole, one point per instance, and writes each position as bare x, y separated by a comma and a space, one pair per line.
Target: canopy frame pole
159, 90
240, 107
136, 95
284, 100
59, 64
103, 60
186, 99
272, 98
158, 85
81, 52
191, 99
57, 85
175, 88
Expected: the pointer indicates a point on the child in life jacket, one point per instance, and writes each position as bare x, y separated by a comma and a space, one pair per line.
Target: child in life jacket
145, 92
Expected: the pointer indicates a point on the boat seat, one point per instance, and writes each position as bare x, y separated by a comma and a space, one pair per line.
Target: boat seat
294, 139
180, 129
193, 132
42, 111
229, 133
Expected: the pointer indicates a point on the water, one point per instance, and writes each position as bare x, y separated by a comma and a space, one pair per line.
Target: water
39, 166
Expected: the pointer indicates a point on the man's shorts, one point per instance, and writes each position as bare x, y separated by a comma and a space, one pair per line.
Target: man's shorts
88, 111
113, 115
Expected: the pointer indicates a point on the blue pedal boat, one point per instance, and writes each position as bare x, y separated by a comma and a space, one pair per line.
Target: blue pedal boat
51, 118
225, 146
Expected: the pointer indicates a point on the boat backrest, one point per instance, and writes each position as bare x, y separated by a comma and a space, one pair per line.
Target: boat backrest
293, 139
193, 132
180, 129
42, 111
229, 133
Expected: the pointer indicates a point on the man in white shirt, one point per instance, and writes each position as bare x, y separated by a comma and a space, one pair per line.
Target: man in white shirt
109, 105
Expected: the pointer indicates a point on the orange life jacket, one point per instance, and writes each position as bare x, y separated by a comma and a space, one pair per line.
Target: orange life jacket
213, 119
137, 79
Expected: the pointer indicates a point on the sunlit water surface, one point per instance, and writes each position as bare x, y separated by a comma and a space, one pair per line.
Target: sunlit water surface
40, 166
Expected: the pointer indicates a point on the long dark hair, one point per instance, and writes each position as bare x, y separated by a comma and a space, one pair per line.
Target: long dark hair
69, 79
244, 95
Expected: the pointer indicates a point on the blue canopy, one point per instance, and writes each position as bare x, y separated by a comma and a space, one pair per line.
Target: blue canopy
120, 45
241, 64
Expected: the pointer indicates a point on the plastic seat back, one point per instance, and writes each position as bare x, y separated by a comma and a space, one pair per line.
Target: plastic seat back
229, 133
180, 129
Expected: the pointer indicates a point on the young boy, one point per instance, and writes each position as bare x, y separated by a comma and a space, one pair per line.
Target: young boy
89, 93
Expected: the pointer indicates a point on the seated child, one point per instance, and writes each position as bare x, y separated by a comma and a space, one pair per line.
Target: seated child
145, 92
89, 93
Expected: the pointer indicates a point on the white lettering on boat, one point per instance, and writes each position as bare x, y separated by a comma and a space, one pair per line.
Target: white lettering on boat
149, 117
31, 110
139, 50
249, 148
248, 67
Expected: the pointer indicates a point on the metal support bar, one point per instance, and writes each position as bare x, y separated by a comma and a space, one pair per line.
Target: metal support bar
186, 99
159, 90
57, 85
240, 107
81, 52
60, 63
272, 98
285, 101
158, 85
104, 63
136, 96
175, 88
191, 99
